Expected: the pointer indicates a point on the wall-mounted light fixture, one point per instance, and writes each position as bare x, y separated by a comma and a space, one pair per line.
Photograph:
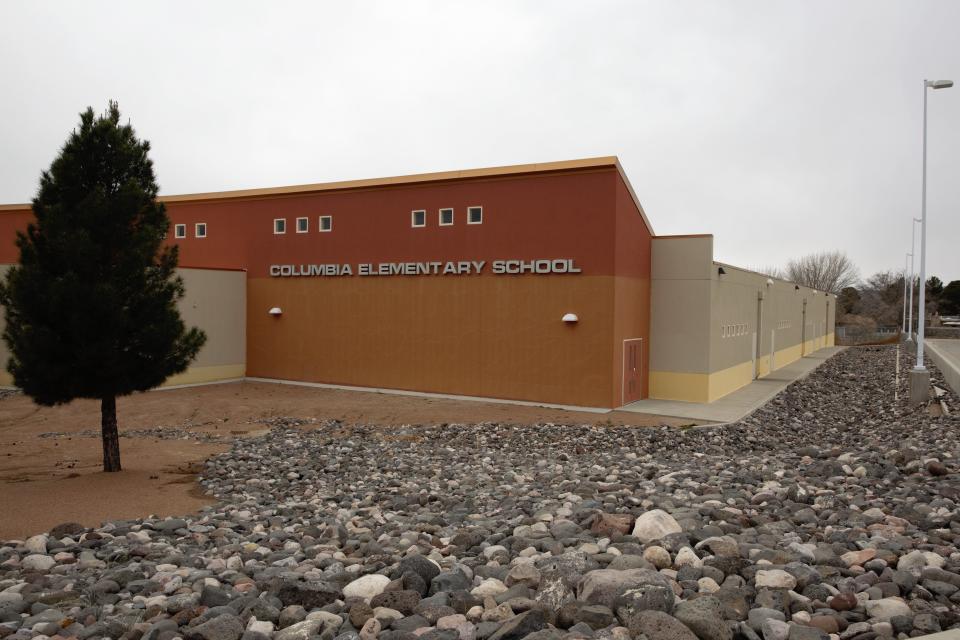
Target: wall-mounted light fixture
769, 282
275, 311
721, 272
570, 318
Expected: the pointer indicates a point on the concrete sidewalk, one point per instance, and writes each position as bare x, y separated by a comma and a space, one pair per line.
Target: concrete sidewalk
743, 401
946, 355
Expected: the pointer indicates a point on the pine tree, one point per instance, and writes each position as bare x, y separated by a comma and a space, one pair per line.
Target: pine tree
91, 308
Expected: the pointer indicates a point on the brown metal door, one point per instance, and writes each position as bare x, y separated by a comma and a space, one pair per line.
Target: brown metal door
632, 359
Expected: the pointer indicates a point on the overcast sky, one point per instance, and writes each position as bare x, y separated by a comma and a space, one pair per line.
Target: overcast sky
782, 128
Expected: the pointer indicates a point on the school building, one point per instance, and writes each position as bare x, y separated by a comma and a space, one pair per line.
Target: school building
541, 282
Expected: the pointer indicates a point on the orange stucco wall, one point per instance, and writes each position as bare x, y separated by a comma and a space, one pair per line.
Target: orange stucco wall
565, 215
631, 313
10, 223
493, 336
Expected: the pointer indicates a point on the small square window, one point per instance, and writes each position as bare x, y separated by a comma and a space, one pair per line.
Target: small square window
474, 215
179, 231
446, 217
200, 230
279, 225
326, 224
303, 225
418, 218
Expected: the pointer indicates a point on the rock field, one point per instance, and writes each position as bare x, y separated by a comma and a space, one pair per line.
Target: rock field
833, 511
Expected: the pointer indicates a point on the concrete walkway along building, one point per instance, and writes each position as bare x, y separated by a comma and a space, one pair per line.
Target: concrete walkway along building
540, 282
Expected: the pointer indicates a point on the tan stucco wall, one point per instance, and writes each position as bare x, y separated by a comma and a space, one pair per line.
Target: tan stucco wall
705, 325
741, 297
680, 305
215, 301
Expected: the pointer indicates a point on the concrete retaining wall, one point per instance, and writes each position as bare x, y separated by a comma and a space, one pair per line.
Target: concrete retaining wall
949, 366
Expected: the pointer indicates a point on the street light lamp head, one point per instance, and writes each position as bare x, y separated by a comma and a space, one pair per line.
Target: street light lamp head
939, 84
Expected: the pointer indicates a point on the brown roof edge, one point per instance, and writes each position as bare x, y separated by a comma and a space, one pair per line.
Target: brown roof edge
187, 266
508, 170
486, 172
633, 194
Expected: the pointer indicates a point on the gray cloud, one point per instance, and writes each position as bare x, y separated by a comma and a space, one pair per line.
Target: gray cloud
781, 127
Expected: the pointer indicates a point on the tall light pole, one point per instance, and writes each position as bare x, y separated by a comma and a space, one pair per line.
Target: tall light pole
919, 376
906, 260
913, 250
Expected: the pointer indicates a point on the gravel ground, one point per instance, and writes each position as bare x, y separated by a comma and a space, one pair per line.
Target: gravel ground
831, 511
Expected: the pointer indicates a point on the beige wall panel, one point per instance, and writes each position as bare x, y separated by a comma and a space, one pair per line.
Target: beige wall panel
734, 301
682, 258
680, 306
216, 301
733, 319
491, 336
680, 325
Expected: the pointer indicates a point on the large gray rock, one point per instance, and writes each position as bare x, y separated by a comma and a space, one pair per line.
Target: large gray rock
775, 579
655, 594
419, 565
803, 632
170, 525
366, 587
655, 525
299, 631
310, 595
756, 617
604, 586
773, 629
554, 592
223, 627
704, 617
520, 626
886, 608
37, 543
450, 581
403, 601
38, 562
657, 625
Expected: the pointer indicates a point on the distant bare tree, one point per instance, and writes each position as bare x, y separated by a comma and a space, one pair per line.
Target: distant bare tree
826, 271
881, 298
773, 272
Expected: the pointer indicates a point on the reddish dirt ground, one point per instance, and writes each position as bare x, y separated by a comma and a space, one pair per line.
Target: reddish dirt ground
48, 480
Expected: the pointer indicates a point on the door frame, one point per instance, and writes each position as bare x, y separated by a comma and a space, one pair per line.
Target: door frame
623, 370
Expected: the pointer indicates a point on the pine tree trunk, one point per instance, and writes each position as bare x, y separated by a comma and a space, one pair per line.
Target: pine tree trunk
111, 438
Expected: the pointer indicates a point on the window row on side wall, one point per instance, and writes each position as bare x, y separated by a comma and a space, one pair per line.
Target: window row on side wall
446, 216
199, 230
302, 225
733, 330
